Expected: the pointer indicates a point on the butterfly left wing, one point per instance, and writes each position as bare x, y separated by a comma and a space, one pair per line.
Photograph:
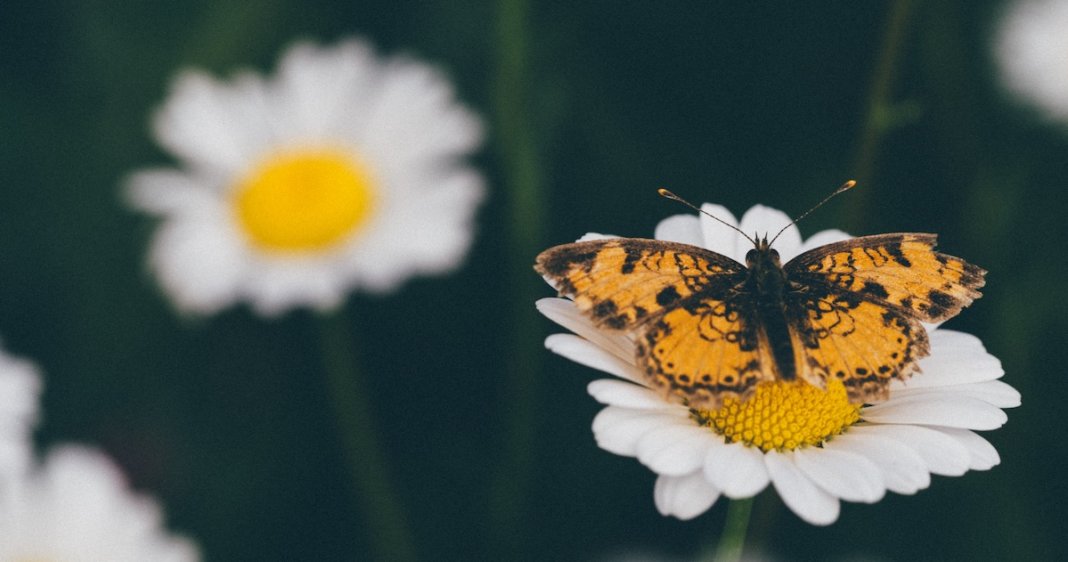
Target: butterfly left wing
705, 349
622, 283
696, 338
855, 308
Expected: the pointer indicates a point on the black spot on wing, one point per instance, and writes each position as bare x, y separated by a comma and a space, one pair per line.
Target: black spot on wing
633, 255
874, 289
940, 303
895, 252
557, 262
604, 308
667, 296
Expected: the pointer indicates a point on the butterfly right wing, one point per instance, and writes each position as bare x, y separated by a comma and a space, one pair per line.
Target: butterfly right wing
697, 339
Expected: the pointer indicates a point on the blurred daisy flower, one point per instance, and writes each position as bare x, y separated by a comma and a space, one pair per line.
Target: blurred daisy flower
813, 446
1031, 48
343, 171
76, 507
20, 389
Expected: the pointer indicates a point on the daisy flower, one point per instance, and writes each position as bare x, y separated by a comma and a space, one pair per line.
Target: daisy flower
1031, 48
20, 388
813, 446
343, 171
77, 508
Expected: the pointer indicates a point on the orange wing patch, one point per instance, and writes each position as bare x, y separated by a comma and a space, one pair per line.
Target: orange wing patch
624, 282
704, 352
898, 269
862, 343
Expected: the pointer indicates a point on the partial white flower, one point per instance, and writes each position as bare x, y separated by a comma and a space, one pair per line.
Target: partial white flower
343, 171
1031, 48
924, 428
20, 389
77, 508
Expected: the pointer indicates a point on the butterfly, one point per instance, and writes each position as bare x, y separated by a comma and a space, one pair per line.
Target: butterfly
707, 327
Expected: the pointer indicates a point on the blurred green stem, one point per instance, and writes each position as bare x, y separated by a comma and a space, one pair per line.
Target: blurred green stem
877, 106
732, 541
517, 148
370, 485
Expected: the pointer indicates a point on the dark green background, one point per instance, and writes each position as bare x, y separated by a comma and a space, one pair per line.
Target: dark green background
226, 419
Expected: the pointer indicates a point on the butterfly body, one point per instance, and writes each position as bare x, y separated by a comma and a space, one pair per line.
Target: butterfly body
767, 287
706, 326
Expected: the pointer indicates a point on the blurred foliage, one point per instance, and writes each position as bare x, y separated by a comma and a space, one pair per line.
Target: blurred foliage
225, 419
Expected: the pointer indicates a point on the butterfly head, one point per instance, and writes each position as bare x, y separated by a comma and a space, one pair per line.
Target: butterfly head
762, 254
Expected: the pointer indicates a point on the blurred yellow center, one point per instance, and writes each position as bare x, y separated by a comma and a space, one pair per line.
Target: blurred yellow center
304, 201
784, 415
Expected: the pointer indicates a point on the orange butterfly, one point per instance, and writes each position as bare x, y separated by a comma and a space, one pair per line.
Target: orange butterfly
707, 326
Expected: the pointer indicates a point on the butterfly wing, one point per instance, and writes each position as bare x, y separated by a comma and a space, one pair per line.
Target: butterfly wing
624, 282
706, 349
863, 344
855, 307
902, 270
695, 335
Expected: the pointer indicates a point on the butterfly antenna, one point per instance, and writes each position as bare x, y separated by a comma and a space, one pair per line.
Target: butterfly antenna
665, 193
845, 187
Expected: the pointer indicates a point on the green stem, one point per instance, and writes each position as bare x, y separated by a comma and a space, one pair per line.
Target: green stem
879, 99
732, 541
370, 485
517, 149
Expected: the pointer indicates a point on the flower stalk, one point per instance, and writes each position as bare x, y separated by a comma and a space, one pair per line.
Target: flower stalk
370, 483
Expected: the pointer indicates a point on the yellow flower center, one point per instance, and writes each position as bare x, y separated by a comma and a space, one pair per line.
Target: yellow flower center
783, 415
304, 201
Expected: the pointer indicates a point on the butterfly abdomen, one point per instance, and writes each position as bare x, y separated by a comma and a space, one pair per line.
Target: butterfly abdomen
767, 284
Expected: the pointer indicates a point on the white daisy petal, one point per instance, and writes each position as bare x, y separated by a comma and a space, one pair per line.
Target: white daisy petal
736, 469
818, 239
20, 391
950, 410
585, 353
904, 471
685, 229
995, 393
764, 221
77, 506
983, 455
199, 123
798, 492
564, 313
215, 279
385, 195
943, 454
1029, 48
595, 236
674, 450
684, 497
314, 85
956, 358
718, 237
164, 191
842, 474
618, 430
627, 395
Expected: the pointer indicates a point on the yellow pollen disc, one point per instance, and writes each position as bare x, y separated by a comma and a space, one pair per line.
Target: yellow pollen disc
784, 415
304, 201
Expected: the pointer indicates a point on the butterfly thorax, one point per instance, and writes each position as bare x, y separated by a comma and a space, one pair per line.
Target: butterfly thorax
766, 276
766, 283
